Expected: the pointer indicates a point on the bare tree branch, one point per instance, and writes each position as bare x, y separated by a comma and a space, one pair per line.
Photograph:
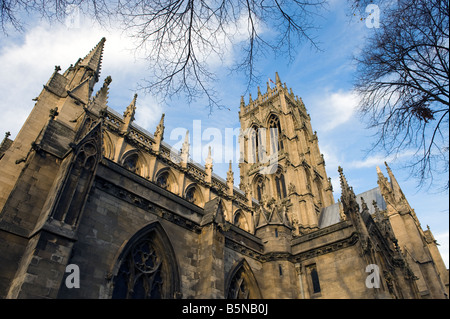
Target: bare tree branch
403, 80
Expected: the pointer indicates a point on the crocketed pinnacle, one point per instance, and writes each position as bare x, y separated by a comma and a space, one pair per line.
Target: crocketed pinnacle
93, 59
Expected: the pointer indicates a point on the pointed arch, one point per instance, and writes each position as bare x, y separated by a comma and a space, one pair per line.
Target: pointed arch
280, 184
275, 140
241, 282
259, 187
240, 220
193, 194
146, 267
255, 144
165, 178
108, 146
134, 161
79, 178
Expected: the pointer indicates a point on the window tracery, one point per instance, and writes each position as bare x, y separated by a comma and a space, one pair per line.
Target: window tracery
280, 184
239, 288
163, 180
140, 275
255, 145
275, 134
131, 163
240, 221
242, 284
259, 182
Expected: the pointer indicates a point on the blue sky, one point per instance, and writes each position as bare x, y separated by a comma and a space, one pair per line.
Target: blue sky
323, 79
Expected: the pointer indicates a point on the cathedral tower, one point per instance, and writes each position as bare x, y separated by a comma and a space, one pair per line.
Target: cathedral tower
281, 164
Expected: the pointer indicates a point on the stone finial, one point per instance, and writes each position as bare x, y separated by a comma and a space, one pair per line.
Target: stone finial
185, 146
185, 150
230, 174
277, 79
160, 128
108, 80
230, 180
209, 160
131, 109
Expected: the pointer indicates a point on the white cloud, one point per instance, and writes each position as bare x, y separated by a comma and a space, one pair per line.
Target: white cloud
333, 109
379, 159
148, 112
443, 241
27, 65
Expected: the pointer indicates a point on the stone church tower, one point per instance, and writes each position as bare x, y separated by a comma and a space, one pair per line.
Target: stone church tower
94, 206
282, 166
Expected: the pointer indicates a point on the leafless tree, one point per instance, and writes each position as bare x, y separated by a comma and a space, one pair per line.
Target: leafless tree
182, 38
403, 83
15, 13
185, 40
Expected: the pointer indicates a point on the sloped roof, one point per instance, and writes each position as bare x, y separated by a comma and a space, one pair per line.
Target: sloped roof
330, 215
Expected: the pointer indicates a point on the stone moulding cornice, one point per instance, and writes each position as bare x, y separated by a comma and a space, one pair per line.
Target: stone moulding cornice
348, 241
325, 249
294, 258
321, 232
147, 205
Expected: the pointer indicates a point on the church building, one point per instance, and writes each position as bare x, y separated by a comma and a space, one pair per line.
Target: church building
93, 206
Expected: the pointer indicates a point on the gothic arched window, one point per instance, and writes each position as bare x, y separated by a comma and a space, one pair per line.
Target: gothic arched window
77, 184
254, 144
163, 180
147, 268
131, 163
242, 284
313, 278
240, 221
275, 134
139, 276
193, 195
259, 187
239, 288
190, 195
280, 184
